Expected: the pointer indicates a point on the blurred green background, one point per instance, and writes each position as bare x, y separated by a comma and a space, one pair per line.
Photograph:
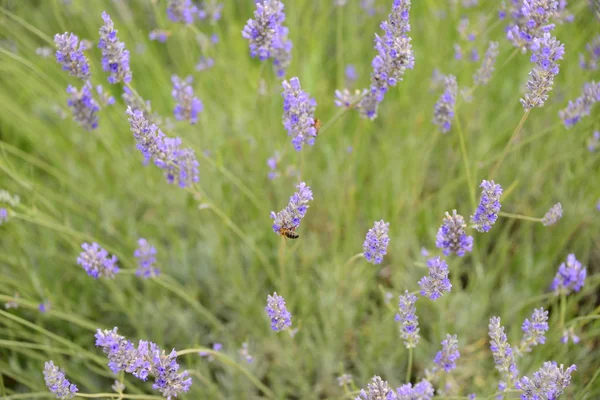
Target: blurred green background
218, 255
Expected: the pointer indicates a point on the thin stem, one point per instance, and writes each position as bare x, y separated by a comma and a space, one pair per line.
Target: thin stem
116, 395
352, 259
463, 149
513, 138
228, 361
337, 115
518, 216
140, 98
409, 368
563, 310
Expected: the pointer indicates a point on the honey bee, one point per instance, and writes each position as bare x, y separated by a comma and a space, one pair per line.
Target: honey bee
289, 233
317, 125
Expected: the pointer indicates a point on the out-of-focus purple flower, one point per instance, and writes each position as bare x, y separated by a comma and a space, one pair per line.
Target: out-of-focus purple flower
530, 20
424, 251
188, 106
569, 334
3, 215
115, 57
205, 63
502, 351
570, 277
210, 10
181, 11
553, 215
146, 258
105, 99
451, 236
83, 106
272, 162
446, 358
69, 53
298, 114
407, 317
289, 218
344, 98
421, 391
214, 38
245, 353
369, 7
43, 51
394, 56
209, 356
546, 51
351, 75
458, 53
344, 380
278, 314
443, 112
160, 35
376, 242
549, 382
582, 106
44, 306
534, 330
268, 37
97, 262
474, 55
57, 383
377, 389
486, 213
484, 73
593, 49
594, 142
436, 282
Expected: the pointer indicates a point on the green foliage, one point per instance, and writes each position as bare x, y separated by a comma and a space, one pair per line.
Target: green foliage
217, 252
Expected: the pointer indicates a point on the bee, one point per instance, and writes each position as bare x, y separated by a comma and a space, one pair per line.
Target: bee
289, 233
317, 125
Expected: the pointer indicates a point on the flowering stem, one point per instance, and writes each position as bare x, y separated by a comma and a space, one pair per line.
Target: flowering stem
513, 138
409, 367
119, 396
140, 98
337, 115
352, 259
228, 361
463, 149
517, 216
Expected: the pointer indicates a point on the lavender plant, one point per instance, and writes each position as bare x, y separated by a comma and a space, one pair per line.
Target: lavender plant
298, 114
443, 112
57, 383
581, 106
376, 242
69, 53
115, 57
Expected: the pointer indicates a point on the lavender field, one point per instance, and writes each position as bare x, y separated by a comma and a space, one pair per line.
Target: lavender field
300, 199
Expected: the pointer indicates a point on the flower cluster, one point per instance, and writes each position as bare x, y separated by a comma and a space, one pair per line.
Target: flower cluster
57, 383
97, 262
420, 391
298, 114
346, 99
377, 389
436, 282
205, 63
569, 334
594, 142
216, 347
115, 57
534, 330
69, 53
160, 35
407, 317
145, 360
180, 164
443, 112
210, 10
289, 218
146, 257
553, 215
394, 56
486, 213
267, 36
188, 106
83, 106
546, 51
570, 276
451, 236
582, 106
376, 242
446, 358
181, 11
548, 382
245, 353
484, 73
501, 350
278, 314
3, 215
593, 49
531, 19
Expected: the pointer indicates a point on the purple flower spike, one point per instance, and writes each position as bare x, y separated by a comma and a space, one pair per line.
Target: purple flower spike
289, 218
570, 277
436, 282
446, 358
188, 106
299, 114
377, 389
534, 330
549, 382
451, 236
69, 53
444, 108
486, 213
57, 383
276, 310
181, 11
97, 262
407, 317
582, 106
83, 106
115, 57
146, 258
376, 242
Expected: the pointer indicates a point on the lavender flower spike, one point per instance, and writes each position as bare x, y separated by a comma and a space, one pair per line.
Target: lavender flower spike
531, 20
146, 258
181, 11
486, 213
570, 277
289, 218
83, 106
553, 215
582, 106
451, 236
276, 310
444, 108
446, 358
484, 73
546, 51
97, 262
549, 382
188, 106
501, 350
394, 57
409, 322
534, 330
377, 389
69, 53
376, 242
436, 283
421, 391
57, 383
115, 57
298, 114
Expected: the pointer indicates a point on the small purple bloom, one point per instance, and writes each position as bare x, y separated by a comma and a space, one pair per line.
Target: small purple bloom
205, 63
377, 389
216, 347
582, 106
351, 74
451, 236
534, 330
501, 350
444, 108
188, 106
57, 383
376, 242
436, 282
446, 358
115, 57
553, 215
298, 114
486, 213
570, 277
83, 106
105, 98
346, 99
3, 215
593, 49
549, 382
245, 353
420, 391
160, 35
569, 334
594, 142
181, 11
289, 218
279, 315
69, 53
97, 262
146, 258
407, 317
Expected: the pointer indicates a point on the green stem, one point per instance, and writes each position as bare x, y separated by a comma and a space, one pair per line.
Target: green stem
513, 138
352, 259
228, 361
563, 310
518, 216
463, 149
117, 396
409, 367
